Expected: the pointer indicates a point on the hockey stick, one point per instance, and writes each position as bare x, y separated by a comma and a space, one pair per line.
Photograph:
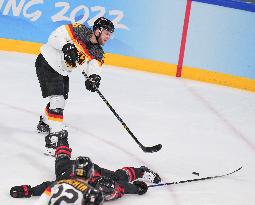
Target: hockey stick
154, 148
193, 180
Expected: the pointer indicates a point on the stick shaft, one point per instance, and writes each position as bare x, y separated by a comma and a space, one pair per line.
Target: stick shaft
193, 180
145, 149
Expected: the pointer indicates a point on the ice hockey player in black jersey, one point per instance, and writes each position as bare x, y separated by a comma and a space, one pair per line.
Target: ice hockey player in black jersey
69, 47
72, 190
75, 189
113, 184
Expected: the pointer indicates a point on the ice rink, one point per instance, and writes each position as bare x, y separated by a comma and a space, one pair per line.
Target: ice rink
203, 127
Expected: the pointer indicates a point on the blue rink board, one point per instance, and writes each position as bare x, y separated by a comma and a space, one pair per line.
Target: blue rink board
236, 4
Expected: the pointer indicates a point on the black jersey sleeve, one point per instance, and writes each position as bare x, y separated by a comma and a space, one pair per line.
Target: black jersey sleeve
39, 189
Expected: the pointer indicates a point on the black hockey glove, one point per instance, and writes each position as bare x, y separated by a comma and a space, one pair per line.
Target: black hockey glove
23, 191
70, 54
93, 82
142, 187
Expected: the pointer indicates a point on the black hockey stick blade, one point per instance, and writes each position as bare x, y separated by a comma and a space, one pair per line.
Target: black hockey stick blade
198, 179
152, 149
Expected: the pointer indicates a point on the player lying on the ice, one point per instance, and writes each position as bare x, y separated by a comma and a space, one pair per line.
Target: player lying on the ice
72, 190
113, 184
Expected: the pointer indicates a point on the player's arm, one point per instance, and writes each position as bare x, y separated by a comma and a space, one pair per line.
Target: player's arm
59, 37
61, 40
137, 187
92, 70
26, 191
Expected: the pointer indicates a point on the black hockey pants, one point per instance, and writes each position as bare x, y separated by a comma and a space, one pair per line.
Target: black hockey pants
51, 82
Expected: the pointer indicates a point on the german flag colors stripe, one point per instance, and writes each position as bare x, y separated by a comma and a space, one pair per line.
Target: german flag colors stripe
51, 115
79, 45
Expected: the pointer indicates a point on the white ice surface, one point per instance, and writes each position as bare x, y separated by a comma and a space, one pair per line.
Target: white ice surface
203, 127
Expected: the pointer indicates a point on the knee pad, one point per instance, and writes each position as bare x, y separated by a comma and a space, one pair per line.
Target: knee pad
57, 102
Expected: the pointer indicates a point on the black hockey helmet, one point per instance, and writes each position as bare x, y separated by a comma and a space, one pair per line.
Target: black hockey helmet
103, 24
108, 186
92, 197
83, 167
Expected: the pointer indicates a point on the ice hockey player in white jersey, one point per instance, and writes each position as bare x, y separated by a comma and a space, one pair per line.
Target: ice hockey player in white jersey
69, 47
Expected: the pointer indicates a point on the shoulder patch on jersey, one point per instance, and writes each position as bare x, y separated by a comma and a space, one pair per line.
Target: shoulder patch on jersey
81, 35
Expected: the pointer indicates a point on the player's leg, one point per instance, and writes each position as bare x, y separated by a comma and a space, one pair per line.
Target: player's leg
63, 163
41, 69
56, 88
130, 174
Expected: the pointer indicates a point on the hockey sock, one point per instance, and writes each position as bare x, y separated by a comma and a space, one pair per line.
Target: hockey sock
132, 173
54, 113
63, 151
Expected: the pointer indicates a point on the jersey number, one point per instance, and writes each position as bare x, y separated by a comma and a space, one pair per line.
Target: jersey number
60, 196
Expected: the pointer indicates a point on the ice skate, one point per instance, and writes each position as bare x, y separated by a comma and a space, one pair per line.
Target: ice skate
150, 176
42, 127
51, 141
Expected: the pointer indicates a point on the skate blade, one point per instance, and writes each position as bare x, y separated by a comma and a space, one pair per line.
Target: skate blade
42, 132
49, 152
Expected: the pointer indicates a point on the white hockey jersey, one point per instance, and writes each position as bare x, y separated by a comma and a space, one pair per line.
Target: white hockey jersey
64, 192
90, 55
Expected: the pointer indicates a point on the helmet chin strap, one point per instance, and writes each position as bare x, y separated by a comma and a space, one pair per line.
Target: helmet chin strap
97, 37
